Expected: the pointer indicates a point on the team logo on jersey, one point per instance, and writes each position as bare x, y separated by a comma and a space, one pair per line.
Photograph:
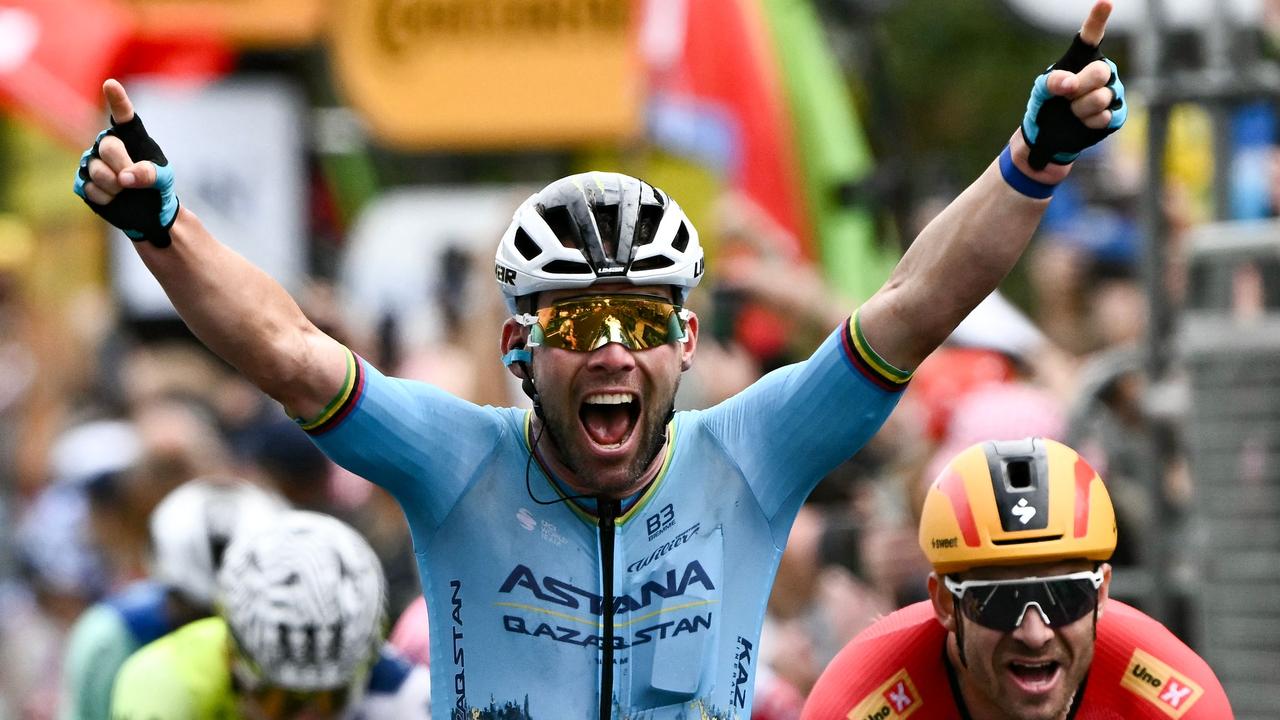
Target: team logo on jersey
525, 518
661, 521
550, 532
1160, 684
894, 700
741, 676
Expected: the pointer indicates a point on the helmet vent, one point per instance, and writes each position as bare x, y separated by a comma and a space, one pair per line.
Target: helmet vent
526, 246
1025, 540
567, 267
681, 240
647, 224
1019, 473
653, 263
561, 223
217, 548
607, 224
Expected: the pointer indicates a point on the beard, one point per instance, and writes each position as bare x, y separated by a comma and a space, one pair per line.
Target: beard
563, 426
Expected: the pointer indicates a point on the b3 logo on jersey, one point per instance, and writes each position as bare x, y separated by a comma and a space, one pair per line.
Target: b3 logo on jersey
659, 521
894, 700
1160, 684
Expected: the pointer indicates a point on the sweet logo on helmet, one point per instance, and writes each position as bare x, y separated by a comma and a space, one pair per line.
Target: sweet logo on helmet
894, 700
945, 543
1024, 511
505, 275
1160, 685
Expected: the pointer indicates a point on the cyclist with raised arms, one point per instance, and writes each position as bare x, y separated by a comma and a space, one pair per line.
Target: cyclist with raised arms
1018, 625
602, 555
298, 635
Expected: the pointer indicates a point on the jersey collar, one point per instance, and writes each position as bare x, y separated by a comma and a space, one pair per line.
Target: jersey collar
585, 507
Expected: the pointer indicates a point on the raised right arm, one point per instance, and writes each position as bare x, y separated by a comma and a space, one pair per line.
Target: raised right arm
233, 307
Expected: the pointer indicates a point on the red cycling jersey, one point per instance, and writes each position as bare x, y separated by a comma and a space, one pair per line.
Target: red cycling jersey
895, 670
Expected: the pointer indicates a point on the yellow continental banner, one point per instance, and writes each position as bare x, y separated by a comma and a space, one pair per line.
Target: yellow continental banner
1160, 684
488, 73
247, 23
897, 699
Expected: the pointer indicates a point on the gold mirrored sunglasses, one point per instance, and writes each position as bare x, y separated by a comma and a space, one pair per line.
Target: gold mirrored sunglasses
590, 322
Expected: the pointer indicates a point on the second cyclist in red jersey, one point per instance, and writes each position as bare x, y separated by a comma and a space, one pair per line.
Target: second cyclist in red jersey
1018, 625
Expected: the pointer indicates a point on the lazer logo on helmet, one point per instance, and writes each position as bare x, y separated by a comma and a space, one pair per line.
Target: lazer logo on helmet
505, 275
559, 592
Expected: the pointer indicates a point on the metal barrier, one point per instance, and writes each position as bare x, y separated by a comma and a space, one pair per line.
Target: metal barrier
1230, 347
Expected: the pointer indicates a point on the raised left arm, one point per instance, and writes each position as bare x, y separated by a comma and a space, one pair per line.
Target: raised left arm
964, 253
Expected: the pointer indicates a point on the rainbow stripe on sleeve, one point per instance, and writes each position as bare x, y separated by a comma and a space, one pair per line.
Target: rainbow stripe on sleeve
867, 362
343, 402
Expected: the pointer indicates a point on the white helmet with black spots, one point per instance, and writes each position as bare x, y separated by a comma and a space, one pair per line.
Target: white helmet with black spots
305, 603
193, 526
598, 227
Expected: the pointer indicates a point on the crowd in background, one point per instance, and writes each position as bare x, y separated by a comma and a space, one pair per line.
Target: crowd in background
139, 408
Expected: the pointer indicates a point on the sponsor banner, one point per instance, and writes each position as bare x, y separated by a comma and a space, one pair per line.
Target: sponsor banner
895, 700
236, 149
1161, 685
279, 23
489, 73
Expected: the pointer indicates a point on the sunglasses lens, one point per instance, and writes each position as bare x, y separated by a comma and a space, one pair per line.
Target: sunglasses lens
585, 324
1000, 607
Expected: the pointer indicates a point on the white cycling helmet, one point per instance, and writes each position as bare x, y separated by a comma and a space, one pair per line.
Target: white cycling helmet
597, 227
194, 524
304, 601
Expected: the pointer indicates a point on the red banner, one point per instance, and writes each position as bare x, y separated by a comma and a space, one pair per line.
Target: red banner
54, 55
716, 95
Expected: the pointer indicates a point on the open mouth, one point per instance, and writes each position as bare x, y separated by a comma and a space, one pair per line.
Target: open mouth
1035, 677
609, 418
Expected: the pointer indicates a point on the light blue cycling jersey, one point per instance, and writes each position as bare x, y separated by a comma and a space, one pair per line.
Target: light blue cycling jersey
514, 587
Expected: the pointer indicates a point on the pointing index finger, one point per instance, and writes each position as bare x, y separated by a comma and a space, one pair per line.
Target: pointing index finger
1096, 24
117, 101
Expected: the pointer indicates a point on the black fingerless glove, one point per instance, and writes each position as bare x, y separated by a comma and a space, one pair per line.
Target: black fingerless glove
1054, 133
142, 213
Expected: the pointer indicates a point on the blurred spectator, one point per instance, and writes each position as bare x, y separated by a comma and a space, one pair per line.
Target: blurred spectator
176, 441
815, 606
60, 564
17, 374
999, 411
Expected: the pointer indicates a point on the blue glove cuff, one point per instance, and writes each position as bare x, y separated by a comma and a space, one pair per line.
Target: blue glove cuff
1020, 182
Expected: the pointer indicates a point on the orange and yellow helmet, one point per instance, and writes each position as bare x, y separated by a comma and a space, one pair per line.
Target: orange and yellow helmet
1016, 502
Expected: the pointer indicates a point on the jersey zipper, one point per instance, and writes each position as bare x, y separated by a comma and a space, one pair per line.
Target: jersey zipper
609, 510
